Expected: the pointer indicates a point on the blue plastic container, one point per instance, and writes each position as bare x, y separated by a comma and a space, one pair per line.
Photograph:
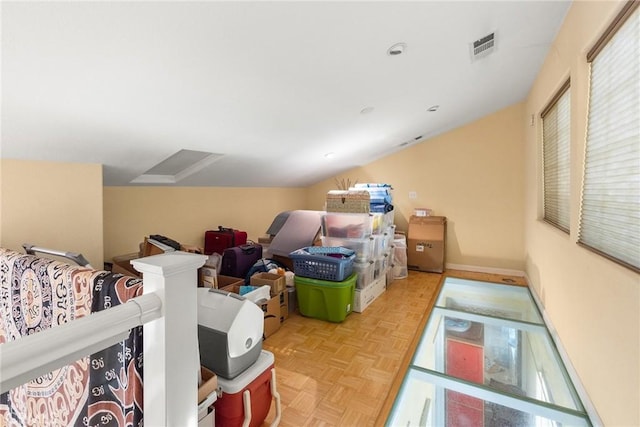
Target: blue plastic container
323, 262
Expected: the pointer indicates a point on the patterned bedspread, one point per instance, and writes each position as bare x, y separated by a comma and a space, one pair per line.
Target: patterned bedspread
103, 389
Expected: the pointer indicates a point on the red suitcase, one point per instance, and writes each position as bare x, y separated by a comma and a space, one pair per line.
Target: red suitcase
222, 238
238, 260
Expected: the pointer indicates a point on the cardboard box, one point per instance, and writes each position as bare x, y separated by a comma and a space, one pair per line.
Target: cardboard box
149, 249
208, 385
122, 264
275, 281
271, 315
422, 212
364, 297
426, 243
225, 281
284, 305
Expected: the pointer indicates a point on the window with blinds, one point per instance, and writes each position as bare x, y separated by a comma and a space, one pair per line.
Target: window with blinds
610, 211
556, 120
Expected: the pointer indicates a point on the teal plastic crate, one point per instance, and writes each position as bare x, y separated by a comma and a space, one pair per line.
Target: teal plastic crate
325, 300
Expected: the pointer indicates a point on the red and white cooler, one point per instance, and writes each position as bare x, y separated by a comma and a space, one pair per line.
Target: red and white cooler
246, 399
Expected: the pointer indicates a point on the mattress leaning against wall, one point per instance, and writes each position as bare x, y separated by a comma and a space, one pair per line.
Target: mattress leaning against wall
105, 387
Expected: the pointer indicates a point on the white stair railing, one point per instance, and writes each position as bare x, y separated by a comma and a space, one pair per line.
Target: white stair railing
171, 355
168, 311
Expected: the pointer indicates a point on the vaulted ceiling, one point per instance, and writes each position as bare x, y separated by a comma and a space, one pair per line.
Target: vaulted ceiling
272, 87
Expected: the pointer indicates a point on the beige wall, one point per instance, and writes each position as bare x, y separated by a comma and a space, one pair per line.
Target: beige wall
593, 303
54, 205
472, 175
185, 213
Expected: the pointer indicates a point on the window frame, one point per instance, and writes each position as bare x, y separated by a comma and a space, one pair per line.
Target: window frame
621, 18
564, 89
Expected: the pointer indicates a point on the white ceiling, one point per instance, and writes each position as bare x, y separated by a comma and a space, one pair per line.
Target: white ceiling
272, 86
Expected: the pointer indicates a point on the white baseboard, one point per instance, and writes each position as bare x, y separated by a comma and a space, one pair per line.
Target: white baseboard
503, 271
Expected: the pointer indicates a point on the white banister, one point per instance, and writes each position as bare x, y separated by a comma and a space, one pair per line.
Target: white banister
171, 356
34, 355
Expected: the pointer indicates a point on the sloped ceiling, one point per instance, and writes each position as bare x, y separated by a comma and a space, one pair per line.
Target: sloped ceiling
272, 86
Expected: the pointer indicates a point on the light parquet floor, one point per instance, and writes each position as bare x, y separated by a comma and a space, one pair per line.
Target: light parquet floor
340, 374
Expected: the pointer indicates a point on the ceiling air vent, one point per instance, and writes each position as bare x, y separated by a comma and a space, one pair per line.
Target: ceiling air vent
483, 47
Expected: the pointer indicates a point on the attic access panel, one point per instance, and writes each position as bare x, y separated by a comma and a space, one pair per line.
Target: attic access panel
177, 167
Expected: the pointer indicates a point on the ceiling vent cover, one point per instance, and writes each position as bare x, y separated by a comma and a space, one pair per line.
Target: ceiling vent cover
483, 47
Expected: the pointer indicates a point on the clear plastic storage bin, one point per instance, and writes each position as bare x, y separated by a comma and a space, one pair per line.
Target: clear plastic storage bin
362, 247
377, 243
346, 225
364, 270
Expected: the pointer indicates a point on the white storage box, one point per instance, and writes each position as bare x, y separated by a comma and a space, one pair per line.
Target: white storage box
364, 297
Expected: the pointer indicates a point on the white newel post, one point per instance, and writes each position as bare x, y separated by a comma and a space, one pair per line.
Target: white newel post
171, 342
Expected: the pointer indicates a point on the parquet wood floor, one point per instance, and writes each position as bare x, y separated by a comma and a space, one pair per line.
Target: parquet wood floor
340, 374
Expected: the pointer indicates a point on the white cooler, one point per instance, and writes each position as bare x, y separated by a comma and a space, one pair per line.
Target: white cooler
230, 331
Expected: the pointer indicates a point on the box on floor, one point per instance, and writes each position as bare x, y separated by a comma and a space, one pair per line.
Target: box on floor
122, 264
275, 281
426, 243
208, 278
364, 297
208, 385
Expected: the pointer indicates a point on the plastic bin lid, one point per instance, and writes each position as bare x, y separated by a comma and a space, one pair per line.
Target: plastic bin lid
239, 383
300, 280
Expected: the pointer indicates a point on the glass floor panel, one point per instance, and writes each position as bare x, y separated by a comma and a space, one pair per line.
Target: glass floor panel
426, 399
486, 354
491, 299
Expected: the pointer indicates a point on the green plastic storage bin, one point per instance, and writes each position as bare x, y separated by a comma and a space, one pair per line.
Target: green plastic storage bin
325, 300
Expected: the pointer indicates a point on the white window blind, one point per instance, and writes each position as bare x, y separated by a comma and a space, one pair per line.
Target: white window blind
610, 212
556, 121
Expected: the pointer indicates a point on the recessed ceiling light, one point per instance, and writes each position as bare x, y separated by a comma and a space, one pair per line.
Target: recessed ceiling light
367, 110
433, 108
396, 49
330, 155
